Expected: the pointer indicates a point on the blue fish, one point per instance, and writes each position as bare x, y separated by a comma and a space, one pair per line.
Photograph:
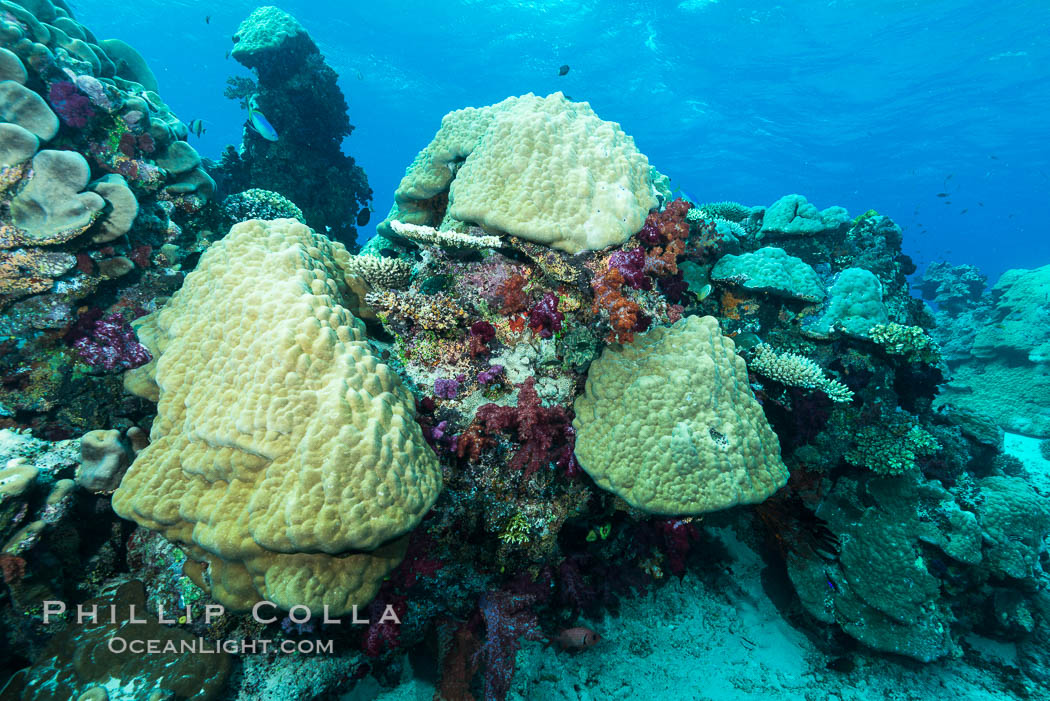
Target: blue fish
260, 123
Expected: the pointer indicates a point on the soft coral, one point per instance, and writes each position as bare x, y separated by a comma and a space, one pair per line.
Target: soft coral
543, 432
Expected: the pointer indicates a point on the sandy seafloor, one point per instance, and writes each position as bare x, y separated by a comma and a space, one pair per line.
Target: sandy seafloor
723, 639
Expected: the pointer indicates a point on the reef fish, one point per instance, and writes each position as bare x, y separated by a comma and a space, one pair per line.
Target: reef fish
259, 122
363, 216
197, 127
563, 70
578, 638
942, 194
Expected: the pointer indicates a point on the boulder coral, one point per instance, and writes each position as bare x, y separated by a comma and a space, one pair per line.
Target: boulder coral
544, 169
284, 456
669, 423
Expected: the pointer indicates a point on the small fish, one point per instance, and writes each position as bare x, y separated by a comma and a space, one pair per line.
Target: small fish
197, 127
994, 158
980, 204
360, 75
578, 638
569, 98
259, 122
563, 70
227, 54
947, 202
207, 19
942, 194
964, 211
363, 216
923, 231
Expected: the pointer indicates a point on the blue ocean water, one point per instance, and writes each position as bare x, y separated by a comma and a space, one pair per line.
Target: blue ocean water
866, 104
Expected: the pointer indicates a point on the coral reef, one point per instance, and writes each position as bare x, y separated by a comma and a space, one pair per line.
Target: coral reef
297, 91
97, 179
511, 412
995, 343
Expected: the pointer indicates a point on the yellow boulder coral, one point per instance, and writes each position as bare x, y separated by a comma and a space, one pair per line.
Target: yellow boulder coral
669, 423
541, 168
282, 451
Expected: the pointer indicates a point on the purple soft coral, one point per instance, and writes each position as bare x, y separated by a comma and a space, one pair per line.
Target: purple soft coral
73, 108
446, 389
545, 319
494, 373
110, 344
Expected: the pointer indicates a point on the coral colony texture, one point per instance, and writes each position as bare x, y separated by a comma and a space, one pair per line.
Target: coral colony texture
535, 395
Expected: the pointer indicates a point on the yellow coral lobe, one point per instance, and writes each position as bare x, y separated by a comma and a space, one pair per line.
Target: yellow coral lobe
669, 423
284, 455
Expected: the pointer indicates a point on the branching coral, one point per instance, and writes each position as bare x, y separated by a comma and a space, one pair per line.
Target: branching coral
912, 342
446, 239
382, 273
891, 447
795, 370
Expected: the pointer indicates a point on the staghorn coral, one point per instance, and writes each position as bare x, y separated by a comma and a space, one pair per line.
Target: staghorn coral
912, 342
795, 370
891, 447
256, 203
383, 273
729, 211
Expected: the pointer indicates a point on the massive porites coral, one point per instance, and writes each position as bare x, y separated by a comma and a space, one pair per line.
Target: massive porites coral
296, 91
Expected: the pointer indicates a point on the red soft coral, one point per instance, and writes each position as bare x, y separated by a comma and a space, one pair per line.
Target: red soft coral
541, 431
667, 232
